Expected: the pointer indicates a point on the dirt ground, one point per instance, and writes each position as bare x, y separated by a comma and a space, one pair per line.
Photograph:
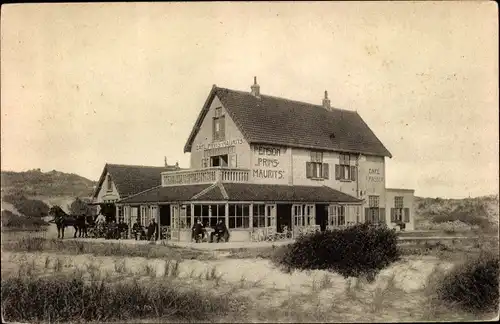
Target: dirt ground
397, 294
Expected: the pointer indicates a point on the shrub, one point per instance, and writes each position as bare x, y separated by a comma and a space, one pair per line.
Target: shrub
354, 251
27, 207
11, 220
473, 286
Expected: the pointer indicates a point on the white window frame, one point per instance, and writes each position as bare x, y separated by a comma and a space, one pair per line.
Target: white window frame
239, 216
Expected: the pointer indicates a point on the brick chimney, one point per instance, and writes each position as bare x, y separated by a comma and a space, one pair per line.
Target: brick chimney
326, 102
255, 88
166, 164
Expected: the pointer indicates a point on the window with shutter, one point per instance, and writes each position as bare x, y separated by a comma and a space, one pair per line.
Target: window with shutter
393, 215
222, 128
367, 215
353, 173
326, 171
407, 215
337, 172
309, 170
232, 161
382, 217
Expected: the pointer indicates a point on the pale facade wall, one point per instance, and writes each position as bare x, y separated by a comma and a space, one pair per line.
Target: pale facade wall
408, 198
233, 137
106, 195
372, 179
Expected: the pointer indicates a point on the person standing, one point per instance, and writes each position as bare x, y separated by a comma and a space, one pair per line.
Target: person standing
153, 230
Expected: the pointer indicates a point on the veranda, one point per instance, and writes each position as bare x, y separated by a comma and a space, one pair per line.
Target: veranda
247, 221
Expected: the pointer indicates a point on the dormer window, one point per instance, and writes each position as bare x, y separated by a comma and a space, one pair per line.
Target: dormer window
219, 125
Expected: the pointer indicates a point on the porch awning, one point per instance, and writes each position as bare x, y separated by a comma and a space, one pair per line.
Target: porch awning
242, 192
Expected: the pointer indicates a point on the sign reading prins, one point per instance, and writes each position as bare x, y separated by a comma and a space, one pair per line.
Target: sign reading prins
267, 158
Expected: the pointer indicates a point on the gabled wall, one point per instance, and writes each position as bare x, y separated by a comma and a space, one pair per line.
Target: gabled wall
104, 194
233, 137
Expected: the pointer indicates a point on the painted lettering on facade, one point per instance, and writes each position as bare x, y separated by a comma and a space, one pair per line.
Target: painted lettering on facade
268, 174
374, 175
219, 144
268, 158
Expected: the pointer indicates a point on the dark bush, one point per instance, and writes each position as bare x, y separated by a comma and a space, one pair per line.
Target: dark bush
358, 250
11, 220
27, 207
473, 285
470, 213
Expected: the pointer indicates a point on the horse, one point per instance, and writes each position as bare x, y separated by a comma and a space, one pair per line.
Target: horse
62, 220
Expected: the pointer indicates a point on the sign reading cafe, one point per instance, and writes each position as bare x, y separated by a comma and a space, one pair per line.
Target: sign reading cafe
218, 144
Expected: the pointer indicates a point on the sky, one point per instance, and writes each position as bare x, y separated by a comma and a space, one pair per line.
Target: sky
86, 84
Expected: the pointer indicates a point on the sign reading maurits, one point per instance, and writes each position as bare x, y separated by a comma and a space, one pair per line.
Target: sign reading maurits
219, 144
267, 157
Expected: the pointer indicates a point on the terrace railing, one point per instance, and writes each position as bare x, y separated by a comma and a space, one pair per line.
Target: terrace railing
203, 176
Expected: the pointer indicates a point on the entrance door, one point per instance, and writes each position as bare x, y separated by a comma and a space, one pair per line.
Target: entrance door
165, 219
284, 216
322, 216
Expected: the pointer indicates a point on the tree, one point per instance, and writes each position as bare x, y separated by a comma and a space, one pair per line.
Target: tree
79, 207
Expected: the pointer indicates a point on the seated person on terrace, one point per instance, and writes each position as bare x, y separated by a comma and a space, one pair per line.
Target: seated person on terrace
137, 231
197, 231
122, 227
220, 232
112, 232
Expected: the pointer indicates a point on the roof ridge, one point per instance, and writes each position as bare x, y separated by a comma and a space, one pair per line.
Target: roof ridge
292, 100
204, 191
138, 165
223, 190
133, 195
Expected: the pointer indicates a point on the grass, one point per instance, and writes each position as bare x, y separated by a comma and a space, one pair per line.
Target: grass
34, 244
71, 298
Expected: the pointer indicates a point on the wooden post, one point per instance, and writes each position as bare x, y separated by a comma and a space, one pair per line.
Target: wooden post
251, 217
192, 215
126, 213
157, 218
227, 215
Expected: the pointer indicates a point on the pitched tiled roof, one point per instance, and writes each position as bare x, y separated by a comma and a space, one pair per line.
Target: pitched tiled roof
279, 121
166, 194
265, 192
132, 179
242, 192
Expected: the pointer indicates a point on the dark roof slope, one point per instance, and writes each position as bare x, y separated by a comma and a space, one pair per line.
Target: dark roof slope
242, 192
265, 192
165, 194
279, 121
132, 179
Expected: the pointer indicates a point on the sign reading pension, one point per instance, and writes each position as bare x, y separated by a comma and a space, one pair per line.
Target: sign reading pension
219, 144
267, 162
